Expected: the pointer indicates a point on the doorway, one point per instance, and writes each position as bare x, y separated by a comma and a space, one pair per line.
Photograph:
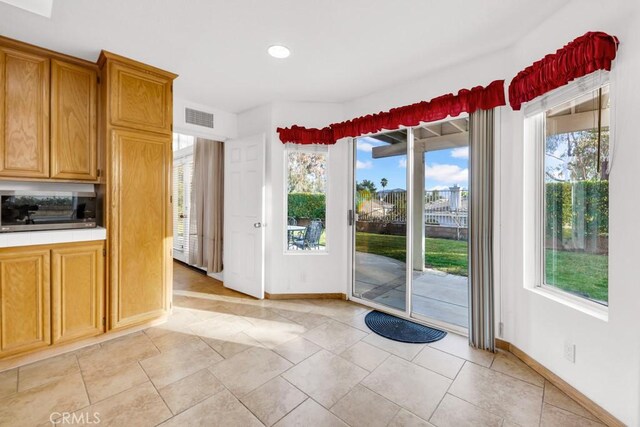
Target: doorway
411, 216
181, 194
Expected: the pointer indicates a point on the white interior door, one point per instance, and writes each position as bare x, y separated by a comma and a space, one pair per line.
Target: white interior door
244, 215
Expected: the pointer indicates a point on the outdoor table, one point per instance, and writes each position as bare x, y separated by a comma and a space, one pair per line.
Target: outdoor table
291, 229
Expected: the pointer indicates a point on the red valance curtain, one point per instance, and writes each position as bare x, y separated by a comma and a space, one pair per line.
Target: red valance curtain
484, 98
586, 54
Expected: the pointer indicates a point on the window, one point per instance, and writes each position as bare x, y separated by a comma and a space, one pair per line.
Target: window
574, 192
306, 201
181, 141
182, 175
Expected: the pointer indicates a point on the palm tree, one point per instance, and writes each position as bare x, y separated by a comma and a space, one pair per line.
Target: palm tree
384, 183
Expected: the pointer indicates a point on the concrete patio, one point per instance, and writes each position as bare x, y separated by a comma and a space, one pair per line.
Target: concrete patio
437, 295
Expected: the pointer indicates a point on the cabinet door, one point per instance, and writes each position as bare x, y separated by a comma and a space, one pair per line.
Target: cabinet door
25, 322
73, 122
140, 99
77, 283
140, 226
24, 114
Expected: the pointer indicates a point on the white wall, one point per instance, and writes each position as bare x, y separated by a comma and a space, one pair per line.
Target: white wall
479, 71
294, 273
225, 124
607, 367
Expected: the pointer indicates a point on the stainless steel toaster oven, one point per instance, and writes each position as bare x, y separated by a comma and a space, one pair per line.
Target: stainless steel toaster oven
46, 210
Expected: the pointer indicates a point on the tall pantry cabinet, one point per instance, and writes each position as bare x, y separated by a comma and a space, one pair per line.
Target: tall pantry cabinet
136, 125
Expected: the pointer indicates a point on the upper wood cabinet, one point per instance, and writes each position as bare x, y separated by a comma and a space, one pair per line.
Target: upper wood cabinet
73, 121
140, 99
48, 114
77, 283
25, 322
24, 114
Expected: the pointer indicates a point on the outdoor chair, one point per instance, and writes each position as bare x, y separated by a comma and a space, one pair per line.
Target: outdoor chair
311, 237
290, 236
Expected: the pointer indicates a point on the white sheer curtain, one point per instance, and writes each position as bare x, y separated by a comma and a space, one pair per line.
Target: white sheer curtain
207, 206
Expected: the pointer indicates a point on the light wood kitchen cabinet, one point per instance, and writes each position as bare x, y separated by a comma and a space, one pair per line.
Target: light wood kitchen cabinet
25, 319
137, 113
140, 99
77, 289
141, 219
48, 115
50, 295
24, 114
73, 121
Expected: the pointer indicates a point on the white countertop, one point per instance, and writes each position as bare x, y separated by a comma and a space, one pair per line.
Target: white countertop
49, 237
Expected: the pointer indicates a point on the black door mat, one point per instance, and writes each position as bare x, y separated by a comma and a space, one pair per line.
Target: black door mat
402, 330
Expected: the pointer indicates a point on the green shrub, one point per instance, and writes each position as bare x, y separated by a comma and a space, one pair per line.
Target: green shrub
306, 205
592, 198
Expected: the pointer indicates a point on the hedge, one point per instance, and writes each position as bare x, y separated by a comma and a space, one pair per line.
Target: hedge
306, 205
592, 199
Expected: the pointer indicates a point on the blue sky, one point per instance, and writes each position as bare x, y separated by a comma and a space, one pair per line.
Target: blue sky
444, 167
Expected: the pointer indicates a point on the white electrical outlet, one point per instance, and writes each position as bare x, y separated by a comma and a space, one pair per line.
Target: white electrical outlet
570, 352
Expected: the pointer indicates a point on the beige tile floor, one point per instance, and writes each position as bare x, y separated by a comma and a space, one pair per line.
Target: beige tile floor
225, 360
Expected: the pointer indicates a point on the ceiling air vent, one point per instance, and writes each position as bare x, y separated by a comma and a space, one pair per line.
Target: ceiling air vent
199, 118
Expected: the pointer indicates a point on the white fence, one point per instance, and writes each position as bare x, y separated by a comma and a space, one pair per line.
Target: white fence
441, 207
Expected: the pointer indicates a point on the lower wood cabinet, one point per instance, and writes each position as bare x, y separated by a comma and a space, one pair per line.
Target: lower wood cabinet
77, 288
49, 295
25, 317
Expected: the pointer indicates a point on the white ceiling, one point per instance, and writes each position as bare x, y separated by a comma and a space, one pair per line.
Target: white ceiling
341, 49
41, 7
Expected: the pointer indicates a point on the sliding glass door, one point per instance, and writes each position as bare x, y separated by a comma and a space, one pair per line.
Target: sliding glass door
380, 240
440, 288
411, 217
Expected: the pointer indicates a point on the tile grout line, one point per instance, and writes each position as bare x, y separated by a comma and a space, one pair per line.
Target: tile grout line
328, 409
400, 408
239, 399
446, 392
504, 419
573, 413
298, 405
156, 389
296, 364
84, 383
431, 370
307, 397
515, 378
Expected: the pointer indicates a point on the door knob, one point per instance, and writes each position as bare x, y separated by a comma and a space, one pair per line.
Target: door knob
257, 225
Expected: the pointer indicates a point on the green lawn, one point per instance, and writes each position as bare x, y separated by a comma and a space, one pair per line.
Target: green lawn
580, 273
442, 254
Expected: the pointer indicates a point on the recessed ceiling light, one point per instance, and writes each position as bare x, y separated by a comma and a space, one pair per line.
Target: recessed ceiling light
279, 51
